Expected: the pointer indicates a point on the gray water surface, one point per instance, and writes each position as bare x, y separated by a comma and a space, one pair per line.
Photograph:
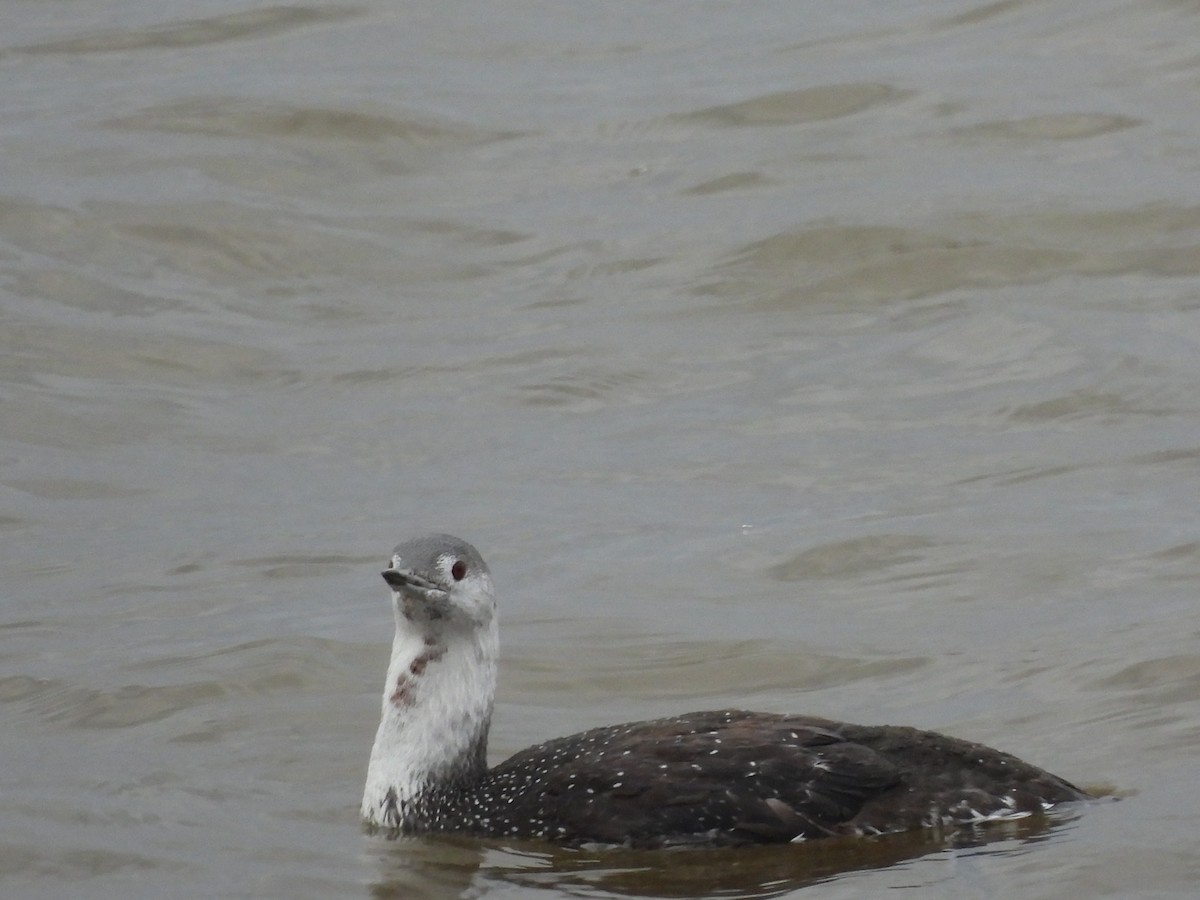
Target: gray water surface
832, 358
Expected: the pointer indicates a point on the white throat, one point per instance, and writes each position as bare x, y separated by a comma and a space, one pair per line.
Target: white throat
437, 706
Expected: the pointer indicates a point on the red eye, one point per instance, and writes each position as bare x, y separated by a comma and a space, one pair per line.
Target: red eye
458, 570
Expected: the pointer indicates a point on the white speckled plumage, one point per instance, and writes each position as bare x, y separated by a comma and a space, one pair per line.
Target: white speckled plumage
720, 777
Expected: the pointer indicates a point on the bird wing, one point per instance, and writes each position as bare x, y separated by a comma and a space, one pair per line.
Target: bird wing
710, 777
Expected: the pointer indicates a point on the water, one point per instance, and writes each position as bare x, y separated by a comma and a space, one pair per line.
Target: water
827, 358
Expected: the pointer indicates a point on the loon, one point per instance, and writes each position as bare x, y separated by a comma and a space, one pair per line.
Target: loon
713, 778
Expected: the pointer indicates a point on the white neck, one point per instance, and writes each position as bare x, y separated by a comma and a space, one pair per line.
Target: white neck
437, 705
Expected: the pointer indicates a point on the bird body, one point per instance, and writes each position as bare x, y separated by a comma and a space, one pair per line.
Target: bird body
704, 778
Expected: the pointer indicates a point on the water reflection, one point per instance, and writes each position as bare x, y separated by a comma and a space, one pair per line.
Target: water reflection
411, 867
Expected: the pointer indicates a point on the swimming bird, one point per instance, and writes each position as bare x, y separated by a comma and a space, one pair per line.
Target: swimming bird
704, 778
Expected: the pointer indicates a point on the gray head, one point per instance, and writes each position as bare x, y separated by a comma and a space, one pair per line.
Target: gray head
440, 581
